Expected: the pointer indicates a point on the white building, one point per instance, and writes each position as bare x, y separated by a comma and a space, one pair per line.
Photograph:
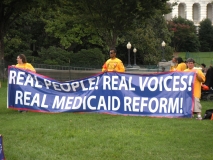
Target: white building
194, 10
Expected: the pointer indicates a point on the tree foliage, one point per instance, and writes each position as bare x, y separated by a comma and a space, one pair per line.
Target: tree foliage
64, 24
206, 35
147, 37
26, 33
10, 11
53, 56
80, 25
184, 35
111, 18
88, 58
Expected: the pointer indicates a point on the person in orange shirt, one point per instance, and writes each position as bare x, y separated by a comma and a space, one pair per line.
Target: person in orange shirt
200, 78
113, 64
204, 69
22, 63
181, 65
174, 64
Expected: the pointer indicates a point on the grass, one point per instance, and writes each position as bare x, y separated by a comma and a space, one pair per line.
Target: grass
75, 136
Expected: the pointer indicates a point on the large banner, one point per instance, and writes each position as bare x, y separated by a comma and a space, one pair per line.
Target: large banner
162, 95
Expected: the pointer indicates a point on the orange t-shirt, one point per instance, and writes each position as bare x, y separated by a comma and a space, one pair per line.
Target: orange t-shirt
26, 66
113, 65
197, 83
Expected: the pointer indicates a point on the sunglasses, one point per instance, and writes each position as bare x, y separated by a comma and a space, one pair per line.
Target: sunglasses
111, 52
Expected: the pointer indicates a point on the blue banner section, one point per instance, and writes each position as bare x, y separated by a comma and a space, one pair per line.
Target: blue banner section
162, 95
1, 149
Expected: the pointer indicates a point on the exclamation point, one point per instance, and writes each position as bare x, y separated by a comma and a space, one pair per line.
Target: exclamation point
96, 86
181, 105
190, 83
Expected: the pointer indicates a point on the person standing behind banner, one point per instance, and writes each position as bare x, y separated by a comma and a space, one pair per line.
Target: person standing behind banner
22, 63
204, 69
113, 64
200, 78
181, 65
174, 64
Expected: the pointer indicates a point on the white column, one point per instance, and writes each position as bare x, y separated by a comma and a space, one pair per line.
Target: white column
175, 11
203, 10
189, 11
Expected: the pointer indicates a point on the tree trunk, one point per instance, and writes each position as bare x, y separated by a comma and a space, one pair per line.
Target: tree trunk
2, 30
114, 40
111, 39
1, 41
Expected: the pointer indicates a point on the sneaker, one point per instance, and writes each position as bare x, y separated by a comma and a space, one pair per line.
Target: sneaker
199, 118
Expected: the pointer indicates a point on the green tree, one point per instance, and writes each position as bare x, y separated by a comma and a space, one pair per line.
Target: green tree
64, 24
10, 11
88, 58
206, 35
53, 56
26, 35
185, 37
70, 28
57, 26
147, 37
111, 18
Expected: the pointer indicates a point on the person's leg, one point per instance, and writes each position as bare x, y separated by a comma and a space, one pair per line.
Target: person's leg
198, 108
199, 116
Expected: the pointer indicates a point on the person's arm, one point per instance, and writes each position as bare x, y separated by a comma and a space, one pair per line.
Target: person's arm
104, 67
200, 76
120, 67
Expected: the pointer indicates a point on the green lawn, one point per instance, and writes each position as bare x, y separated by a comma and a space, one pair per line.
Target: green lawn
69, 136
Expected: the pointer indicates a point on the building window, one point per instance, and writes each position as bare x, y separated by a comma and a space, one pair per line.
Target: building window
196, 13
181, 10
209, 12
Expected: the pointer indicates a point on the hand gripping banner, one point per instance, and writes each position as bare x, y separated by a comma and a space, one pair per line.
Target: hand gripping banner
162, 95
